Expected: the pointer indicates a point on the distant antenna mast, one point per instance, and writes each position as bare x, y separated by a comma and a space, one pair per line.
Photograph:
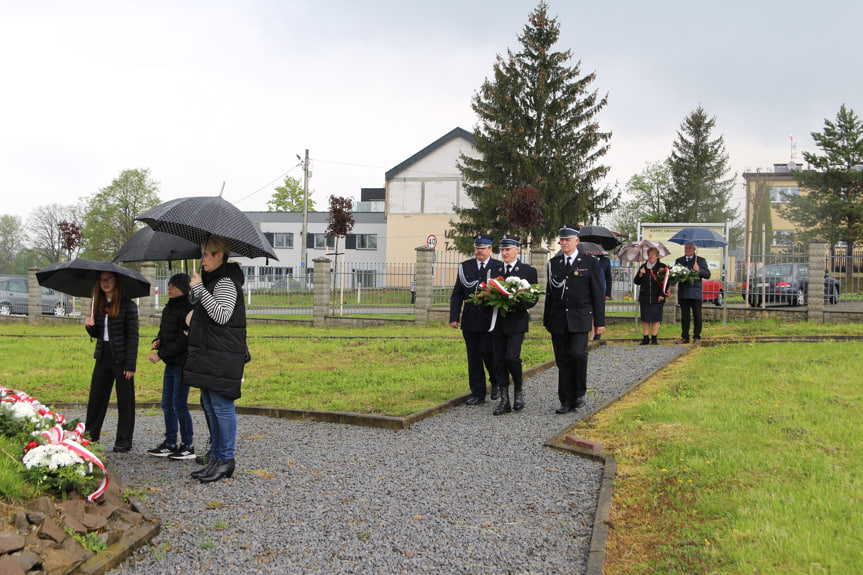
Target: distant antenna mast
793, 149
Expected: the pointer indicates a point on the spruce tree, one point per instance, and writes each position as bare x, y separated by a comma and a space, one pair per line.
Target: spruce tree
831, 201
537, 127
700, 189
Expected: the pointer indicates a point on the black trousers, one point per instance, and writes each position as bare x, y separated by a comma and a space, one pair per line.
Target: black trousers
507, 358
570, 355
480, 358
105, 373
687, 305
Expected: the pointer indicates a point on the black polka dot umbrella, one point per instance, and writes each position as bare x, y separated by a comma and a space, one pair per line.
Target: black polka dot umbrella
197, 218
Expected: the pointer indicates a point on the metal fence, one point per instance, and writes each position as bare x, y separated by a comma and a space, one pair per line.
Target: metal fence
373, 287
361, 287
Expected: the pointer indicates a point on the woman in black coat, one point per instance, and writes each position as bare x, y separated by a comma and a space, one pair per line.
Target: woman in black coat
217, 352
114, 325
652, 295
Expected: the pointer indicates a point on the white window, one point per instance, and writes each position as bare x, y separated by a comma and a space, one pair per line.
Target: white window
323, 242
284, 241
367, 241
779, 193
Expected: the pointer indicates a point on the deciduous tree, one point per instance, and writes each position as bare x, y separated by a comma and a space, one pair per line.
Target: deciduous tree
537, 127
43, 231
289, 198
11, 241
110, 214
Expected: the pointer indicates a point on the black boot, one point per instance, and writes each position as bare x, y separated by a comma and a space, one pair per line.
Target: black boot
495, 392
220, 469
503, 406
653, 340
198, 473
518, 398
645, 340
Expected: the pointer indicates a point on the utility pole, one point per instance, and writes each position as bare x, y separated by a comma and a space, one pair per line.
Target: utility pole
304, 264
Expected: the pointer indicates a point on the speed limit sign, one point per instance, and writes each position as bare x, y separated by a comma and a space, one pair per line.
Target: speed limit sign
431, 241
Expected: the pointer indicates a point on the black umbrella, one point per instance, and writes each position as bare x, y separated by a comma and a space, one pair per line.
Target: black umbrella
148, 245
79, 278
598, 235
197, 218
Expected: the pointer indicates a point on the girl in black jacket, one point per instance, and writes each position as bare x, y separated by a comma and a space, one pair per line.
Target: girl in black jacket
170, 346
114, 324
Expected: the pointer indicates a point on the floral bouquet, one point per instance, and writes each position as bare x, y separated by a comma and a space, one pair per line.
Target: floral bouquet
503, 294
682, 274
677, 274
56, 454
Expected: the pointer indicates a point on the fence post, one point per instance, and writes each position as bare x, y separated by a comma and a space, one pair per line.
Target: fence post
147, 313
34, 296
539, 259
423, 275
321, 291
817, 256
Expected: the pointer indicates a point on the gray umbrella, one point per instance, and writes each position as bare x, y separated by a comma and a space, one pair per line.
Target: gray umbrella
197, 218
148, 245
80, 277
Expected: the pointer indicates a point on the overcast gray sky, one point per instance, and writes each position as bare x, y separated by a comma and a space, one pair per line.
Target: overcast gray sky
210, 91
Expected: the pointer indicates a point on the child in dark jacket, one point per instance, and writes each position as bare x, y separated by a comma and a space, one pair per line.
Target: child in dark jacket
171, 346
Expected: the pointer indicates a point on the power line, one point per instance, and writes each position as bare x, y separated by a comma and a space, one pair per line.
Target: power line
268, 184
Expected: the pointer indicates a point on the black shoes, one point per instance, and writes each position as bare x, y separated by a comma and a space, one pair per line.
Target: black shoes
503, 406
495, 392
219, 470
645, 340
653, 340
198, 473
122, 448
518, 401
474, 400
579, 402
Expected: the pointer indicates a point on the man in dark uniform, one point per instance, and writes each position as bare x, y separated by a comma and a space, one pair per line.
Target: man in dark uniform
574, 300
690, 293
509, 329
476, 320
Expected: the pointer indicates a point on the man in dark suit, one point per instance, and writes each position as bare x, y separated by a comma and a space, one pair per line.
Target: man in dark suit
476, 320
509, 329
574, 302
691, 293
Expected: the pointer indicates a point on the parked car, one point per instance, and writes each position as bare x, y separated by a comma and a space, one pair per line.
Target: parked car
788, 283
15, 298
713, 292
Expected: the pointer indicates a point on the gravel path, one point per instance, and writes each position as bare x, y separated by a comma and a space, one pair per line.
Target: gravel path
461, 492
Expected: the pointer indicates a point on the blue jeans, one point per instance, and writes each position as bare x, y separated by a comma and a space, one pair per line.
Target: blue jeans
223, 424
175, 406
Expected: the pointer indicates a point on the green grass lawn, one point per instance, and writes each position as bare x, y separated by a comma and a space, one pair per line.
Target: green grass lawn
390, 370
740, 458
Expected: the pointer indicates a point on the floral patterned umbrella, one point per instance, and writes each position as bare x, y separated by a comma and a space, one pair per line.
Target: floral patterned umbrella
637, 251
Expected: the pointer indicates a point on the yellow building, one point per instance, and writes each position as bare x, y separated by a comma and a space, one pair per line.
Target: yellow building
779, 182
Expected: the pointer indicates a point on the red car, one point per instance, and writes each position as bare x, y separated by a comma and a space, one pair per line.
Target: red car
713, 291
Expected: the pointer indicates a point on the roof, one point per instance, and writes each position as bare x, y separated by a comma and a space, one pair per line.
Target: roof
456, 133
